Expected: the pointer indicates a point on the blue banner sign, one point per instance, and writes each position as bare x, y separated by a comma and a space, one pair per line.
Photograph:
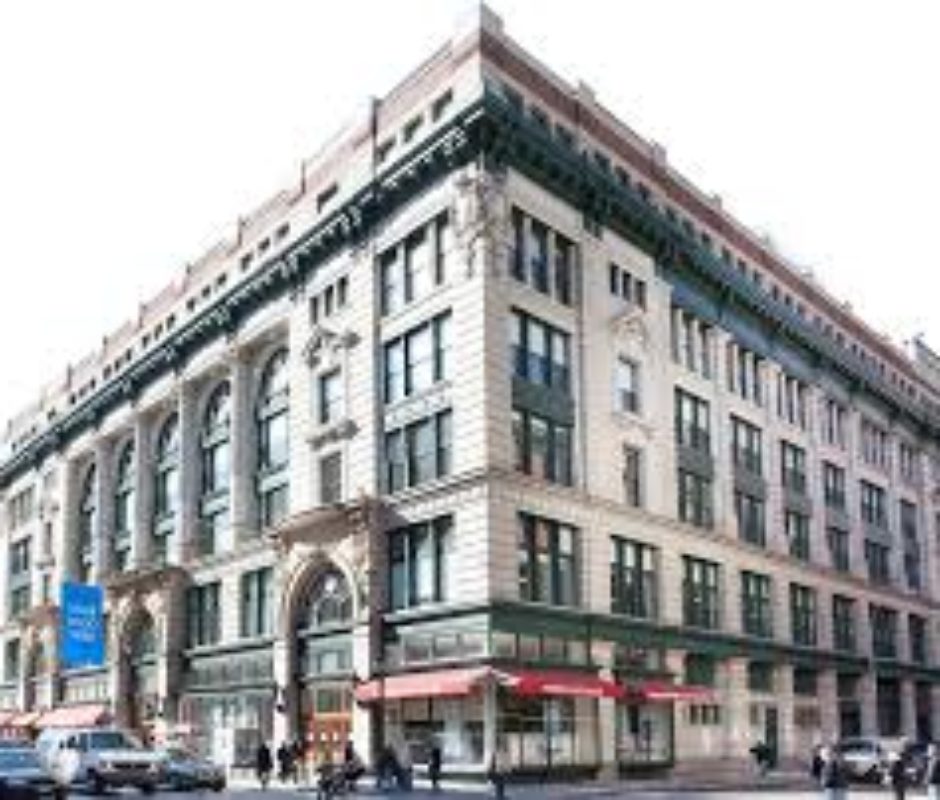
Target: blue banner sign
81, 615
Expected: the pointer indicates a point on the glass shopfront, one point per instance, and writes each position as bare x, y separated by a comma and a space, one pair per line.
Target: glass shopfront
454, 723
644, 733
543, 733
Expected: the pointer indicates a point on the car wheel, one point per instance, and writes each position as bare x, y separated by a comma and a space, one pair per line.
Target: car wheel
147, 788
97, 783
218, 786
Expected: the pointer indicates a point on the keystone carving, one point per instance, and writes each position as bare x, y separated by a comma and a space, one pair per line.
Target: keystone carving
481, 216
324, 346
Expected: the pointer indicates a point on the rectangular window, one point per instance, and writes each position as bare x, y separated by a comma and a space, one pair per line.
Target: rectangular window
202, 615
330, 396
331, 478
745, 372
11, 660
691, 342
876, 448
834, 423
884, 631
805, 682
756, 605
793, 467
633, 578
21, 507
834, 486
419, 452
843, 623
910, 542
803, 615
909, 463
552, 275
746, 446
412, 268
540, 352
693, 424
257, 603
418, 563
792, 394
917, 636
878, 559
633, 476
416, 360
627, 386
548, 561
695, 499
760, 676
542, 447
700, 593
839, 549
797, 530
873, 505
749, 512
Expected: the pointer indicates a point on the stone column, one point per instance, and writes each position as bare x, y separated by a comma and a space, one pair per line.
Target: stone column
190, 480
935, 711
284, 699
737, 697
142, 534
908, 708
103, 536
364, 721
788, 734
242, 503
607, 731
828, 705
65, 539
868, 701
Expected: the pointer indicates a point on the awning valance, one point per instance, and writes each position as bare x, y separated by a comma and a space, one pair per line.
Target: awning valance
440, 683
82, 716
24, 719
558, 683
462, 681
664, 692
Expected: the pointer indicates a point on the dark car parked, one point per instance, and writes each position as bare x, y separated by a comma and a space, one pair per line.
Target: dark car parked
22, 776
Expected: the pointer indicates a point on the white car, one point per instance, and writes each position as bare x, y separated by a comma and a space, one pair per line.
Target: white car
99, 758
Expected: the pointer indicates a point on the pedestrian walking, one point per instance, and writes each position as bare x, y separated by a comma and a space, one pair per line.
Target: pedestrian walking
263, 764
761, 755
898, 774
816, 763
285, 760
833, 779
932, 776
434, 766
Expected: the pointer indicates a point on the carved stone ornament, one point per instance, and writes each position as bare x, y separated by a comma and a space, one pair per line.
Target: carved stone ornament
344, 429
481, 215
324, 346
630, 325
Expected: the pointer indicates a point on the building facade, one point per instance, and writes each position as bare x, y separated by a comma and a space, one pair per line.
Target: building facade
495, 431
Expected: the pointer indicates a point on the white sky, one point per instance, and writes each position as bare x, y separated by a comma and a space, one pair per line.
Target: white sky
132, 135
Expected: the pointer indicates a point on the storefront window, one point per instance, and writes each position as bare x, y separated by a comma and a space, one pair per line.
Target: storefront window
456, 724
546, 732
644, 733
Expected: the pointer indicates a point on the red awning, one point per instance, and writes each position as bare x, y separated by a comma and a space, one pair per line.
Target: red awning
663, 691
24, 719
441, 683
83, 716
558, 683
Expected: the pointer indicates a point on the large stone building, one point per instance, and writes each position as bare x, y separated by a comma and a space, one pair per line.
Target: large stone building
493, 429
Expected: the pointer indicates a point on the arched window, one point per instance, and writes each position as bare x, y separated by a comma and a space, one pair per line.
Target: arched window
87, 522
123, 506
143, 639
216, 468
273, 440
166, 485
329, 601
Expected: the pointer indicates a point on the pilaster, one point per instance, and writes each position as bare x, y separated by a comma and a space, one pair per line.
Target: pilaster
242, 499
141, 535
103, 535
187, 513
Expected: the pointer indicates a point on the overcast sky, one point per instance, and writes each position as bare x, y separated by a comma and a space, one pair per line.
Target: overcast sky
132, 135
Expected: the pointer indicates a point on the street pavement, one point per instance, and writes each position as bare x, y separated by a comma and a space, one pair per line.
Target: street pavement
535, 792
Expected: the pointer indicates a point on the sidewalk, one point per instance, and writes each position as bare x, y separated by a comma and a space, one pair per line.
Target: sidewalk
780, 780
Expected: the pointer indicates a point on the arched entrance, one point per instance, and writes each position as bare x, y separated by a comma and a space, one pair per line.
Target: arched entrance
323, 663
140, 666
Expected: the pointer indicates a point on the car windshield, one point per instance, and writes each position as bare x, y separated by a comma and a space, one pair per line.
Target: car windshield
110, 740
18, 759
